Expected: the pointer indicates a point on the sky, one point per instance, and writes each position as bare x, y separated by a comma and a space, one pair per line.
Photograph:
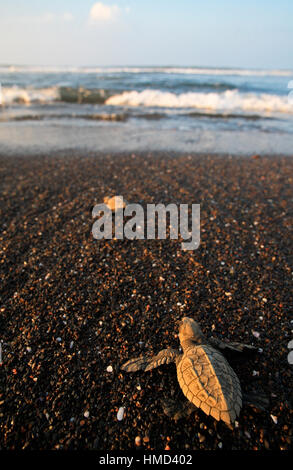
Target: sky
255, 34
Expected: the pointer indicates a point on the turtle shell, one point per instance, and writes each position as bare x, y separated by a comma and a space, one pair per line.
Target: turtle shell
208, 381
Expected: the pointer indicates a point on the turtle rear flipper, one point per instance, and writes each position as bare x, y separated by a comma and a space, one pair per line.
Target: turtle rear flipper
257, 400
147, 363
135, 364
232, 347
177, 409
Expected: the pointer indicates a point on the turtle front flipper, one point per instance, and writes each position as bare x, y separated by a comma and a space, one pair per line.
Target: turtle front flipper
147, 363
232, 347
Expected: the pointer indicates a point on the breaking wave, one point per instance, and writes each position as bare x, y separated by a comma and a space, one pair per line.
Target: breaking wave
80, 95
225, 101
10, 95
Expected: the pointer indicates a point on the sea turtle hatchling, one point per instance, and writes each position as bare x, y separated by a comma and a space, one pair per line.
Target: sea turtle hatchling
204, 375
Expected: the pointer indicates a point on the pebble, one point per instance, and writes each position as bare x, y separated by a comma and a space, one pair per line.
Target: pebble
256, 334
138, 441
274, 418
115, 202
201, 437
86, 414
120, 413
109, 369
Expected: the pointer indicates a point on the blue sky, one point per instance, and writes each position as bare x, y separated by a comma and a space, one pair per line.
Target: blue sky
147, 32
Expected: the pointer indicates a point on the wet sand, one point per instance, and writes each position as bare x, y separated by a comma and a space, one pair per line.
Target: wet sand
71, 306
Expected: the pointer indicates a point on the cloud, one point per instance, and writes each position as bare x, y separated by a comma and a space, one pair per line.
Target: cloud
101, 12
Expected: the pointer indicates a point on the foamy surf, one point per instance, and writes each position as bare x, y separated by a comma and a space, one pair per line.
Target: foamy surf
228, 100
14, 94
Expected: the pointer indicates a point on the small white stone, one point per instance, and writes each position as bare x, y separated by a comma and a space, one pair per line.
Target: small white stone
71, 345
290, 344
86, 414
138, 387
255, 372
120, 413
256, 334
109, 369
274, 418
29, 349
290, 357
220, 445
59, 339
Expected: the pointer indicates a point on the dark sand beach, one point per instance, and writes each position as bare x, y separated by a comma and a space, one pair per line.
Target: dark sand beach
71, 306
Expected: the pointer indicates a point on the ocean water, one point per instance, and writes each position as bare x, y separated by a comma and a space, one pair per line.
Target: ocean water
146, 108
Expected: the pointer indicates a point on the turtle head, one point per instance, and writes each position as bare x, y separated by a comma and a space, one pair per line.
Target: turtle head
190, 332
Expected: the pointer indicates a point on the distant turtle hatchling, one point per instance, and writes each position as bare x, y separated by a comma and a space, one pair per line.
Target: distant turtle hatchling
204, 375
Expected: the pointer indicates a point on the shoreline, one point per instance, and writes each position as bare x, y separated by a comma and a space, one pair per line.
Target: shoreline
79, 153
72, 306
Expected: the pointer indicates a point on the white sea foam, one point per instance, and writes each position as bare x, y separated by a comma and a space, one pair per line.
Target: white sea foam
226, 101
29, 95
